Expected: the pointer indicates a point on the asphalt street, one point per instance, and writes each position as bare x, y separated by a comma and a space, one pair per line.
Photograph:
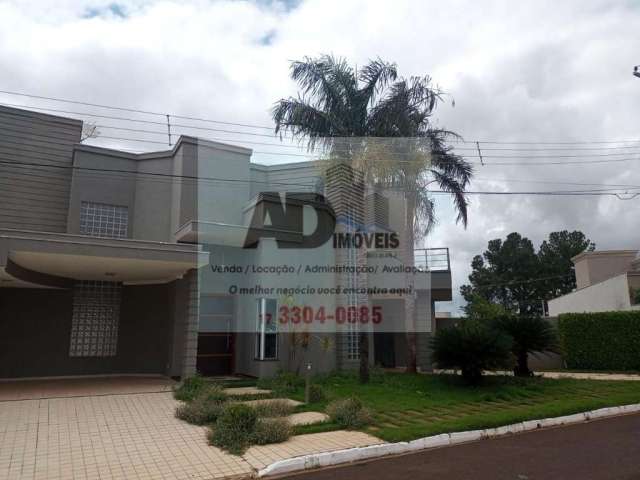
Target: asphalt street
603, 449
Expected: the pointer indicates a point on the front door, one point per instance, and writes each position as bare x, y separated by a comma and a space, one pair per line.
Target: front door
215, 336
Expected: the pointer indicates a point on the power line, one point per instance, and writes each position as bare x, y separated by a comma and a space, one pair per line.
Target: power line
518, 282
317, 157
271, 128
549, 182
492, 163
132, 110
485, 164
235, 180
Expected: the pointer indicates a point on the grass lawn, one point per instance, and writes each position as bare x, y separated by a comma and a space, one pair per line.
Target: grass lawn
406, 407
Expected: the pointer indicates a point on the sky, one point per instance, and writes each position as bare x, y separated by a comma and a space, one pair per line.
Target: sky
538, 71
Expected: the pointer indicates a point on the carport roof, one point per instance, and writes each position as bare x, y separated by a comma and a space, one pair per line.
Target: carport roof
29, 258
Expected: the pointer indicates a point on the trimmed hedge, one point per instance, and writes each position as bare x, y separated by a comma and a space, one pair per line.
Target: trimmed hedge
601, 341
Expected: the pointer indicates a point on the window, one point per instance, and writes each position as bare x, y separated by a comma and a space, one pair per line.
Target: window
266, 329
102, 220
95, 318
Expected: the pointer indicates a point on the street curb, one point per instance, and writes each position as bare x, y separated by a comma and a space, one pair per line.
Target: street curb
350, 455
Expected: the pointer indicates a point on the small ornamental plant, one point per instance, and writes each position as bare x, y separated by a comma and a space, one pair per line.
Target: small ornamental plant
349, 413
205, 408
271, 430
234, 428
190, 388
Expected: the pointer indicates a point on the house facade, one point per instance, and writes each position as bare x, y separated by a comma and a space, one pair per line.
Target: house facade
176, 261
606, 280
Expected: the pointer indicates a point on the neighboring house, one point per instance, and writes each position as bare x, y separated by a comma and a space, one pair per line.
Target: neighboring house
606, 280
119, 263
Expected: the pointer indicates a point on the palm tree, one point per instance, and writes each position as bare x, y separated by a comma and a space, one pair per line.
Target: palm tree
530, 334
338, 106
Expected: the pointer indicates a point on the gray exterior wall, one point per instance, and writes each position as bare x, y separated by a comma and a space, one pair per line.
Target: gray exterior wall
35, 327
102, 187
35, 197
161, 196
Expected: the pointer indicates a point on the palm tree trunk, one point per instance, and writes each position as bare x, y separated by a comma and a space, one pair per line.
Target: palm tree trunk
363, 346
410, 300
522, 366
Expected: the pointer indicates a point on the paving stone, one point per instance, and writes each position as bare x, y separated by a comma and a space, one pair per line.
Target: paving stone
246, 391
293, 403
307, 418
132, 436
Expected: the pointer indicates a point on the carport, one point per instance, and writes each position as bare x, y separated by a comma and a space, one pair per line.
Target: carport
76, 305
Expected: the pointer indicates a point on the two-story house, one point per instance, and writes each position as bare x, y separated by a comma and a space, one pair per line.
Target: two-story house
166, 263
606, 280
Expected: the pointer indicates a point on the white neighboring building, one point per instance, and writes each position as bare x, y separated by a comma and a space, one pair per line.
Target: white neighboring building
605, 280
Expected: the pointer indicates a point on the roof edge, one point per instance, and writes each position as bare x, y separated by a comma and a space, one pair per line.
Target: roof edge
603, 253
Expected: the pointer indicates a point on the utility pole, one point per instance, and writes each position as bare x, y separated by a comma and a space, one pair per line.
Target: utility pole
169, 128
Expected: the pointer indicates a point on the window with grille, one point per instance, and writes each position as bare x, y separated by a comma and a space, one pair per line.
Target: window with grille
103, 220
353, 347
96, 314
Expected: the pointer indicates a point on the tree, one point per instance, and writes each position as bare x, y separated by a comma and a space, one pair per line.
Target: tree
482, 310
503, 275
529, 334
472, 347
512, 274
555, 256
338, 106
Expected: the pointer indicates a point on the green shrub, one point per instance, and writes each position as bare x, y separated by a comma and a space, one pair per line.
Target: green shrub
349, 413
282, 384
376, 374
316, 394
271, 430
472, 347
601, 341
190, 388
277, 407
234, 429
205, 408
529, 334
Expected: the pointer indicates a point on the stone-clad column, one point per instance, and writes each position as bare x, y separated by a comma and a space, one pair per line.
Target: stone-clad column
190, 324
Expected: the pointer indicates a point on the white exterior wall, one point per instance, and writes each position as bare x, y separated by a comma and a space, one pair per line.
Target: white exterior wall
610, 295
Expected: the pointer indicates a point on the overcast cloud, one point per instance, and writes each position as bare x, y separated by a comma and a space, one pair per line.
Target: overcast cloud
534, 72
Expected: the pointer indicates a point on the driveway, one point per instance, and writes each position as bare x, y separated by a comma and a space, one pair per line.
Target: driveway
599, 450
110, 428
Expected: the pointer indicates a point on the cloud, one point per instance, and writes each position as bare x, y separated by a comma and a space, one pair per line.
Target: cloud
539, 71
114, 9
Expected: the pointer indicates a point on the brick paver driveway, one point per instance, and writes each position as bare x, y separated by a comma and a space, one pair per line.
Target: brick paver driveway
112, 435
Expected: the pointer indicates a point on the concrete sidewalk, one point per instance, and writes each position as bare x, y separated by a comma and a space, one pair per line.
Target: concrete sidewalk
560, 374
